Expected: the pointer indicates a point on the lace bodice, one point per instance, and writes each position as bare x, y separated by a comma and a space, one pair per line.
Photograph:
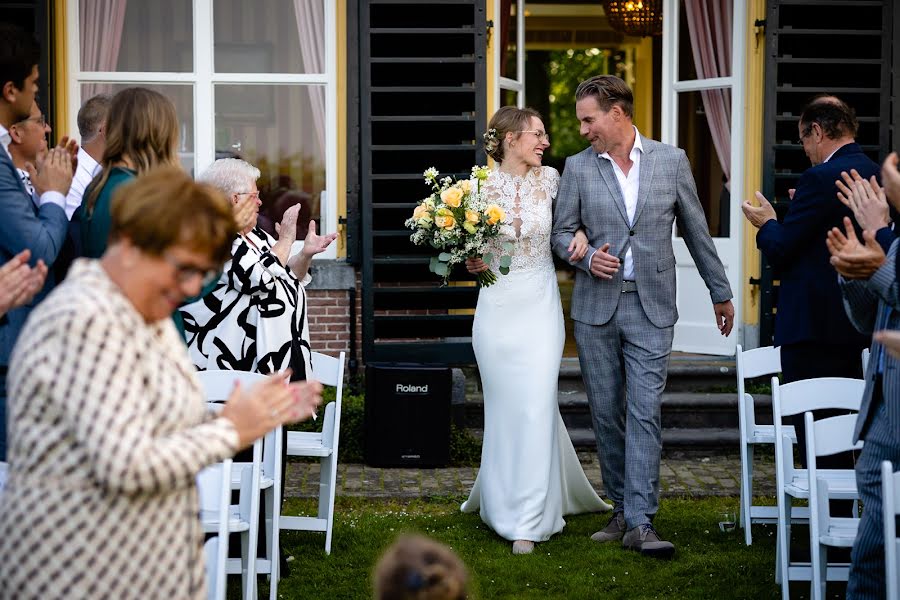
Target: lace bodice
528, 204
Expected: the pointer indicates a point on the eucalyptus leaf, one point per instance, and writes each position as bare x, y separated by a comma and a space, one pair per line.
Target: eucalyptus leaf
432, 264
509, 246
444, 256
505, 261
504, 270
488, 258
441, 269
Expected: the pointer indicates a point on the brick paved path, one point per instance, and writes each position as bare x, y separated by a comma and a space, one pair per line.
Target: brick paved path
681, 473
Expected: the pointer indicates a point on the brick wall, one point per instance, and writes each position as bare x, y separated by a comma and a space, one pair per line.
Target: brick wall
329, 320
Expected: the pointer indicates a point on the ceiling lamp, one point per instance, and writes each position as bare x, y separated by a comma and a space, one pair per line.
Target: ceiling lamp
635, 17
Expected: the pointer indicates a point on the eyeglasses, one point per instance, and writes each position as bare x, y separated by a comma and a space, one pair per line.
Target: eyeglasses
541, 135
254, 195
185, 273
40, 120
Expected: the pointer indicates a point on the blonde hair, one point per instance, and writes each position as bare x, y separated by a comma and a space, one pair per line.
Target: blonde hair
165, 207
419, 568
142, 126
508, 119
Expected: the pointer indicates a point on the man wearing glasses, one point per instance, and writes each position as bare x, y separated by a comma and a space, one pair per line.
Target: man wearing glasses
811, 327
28, 142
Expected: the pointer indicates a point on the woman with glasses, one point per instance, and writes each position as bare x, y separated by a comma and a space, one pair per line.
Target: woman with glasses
530, 476
255, 317
108, 423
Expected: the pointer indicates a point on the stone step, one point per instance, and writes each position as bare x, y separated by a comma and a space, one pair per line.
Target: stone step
687, 373
673, 438
679, 410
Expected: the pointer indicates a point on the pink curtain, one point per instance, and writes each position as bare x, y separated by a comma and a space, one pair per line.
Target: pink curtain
709, 25
310, 16
101, 23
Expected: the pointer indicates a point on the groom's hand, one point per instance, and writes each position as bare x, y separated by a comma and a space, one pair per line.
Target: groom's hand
603, 264
724, 316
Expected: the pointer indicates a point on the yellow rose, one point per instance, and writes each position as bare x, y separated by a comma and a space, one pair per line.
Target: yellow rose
494, 214
472, 216
421, 211
445, 221
452, 196
465, 185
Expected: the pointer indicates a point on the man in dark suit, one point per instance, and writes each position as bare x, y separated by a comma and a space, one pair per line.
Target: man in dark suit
869, 283
37, 224
811, 327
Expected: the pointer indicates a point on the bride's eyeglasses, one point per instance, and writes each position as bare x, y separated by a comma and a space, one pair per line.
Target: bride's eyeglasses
541, 135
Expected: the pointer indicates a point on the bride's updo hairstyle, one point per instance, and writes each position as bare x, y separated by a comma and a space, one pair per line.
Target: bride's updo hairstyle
508, 119
418, 568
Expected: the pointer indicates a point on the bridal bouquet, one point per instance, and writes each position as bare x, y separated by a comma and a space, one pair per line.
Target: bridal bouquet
457, 220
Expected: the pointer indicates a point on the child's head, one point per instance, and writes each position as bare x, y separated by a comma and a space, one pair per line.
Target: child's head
417, 568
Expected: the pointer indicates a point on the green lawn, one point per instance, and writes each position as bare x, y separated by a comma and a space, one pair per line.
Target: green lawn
708, 564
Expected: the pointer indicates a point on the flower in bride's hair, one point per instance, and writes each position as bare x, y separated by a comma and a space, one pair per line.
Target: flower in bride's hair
452, 196
491, 141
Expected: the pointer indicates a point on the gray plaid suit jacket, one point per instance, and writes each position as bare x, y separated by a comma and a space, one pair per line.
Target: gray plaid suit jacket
590, 197
866, 303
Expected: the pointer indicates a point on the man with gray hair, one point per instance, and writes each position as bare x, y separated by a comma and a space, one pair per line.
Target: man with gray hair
92, 129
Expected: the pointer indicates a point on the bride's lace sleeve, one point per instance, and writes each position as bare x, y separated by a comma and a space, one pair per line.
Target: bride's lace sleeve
528, 204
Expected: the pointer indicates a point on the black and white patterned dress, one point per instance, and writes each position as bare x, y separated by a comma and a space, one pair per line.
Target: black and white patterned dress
255, 318
108, 428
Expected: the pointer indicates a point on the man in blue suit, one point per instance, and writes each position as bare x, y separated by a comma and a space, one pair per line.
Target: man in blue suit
38, 224
811, 327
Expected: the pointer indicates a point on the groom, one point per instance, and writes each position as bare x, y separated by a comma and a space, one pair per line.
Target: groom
626, 190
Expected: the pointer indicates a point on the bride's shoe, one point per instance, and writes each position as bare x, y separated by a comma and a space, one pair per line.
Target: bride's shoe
523, 547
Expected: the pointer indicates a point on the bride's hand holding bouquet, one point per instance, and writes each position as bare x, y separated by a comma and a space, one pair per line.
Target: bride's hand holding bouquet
457, 220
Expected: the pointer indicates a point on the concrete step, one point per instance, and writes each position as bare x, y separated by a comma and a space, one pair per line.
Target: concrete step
673, 438
687, 373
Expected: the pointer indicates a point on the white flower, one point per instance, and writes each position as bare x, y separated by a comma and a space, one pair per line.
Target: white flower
430, 174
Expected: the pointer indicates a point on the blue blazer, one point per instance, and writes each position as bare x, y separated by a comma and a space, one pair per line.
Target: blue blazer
810, 306
23, 225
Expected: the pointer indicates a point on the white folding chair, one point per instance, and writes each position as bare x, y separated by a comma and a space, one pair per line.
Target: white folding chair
827, 437
214, 487
218, 386
865, 360
751, 364
3, 470
791, 399
324, 445
890, 507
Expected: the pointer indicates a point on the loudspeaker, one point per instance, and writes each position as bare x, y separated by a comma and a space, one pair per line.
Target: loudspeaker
407, 415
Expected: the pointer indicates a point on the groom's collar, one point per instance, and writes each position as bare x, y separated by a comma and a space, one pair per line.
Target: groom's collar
637, 147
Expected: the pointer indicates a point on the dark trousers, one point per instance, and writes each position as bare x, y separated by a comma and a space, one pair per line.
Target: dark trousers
867, 572
809, 360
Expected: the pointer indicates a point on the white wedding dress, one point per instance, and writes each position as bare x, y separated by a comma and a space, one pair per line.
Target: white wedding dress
530, 476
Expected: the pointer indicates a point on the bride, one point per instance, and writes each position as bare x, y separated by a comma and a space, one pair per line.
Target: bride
530, 476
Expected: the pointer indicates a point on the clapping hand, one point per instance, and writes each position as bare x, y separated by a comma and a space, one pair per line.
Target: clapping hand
603, 264
314, 244
865, 199
18, 282
245, 210
850, 257
759, 215
287, 229
891, 179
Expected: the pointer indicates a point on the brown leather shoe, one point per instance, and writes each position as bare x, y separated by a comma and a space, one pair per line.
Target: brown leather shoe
614, 529
645, 540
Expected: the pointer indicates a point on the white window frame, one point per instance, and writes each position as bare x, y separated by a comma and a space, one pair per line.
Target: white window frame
203, 79
505, 83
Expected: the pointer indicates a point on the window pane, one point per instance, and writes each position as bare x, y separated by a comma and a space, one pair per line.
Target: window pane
707, 153
508, 39
183, 98
705, 40
269, 36
136, 36
281, 130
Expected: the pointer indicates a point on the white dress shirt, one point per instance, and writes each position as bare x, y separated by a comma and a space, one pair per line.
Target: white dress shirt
86, 171
5, 140
628, 184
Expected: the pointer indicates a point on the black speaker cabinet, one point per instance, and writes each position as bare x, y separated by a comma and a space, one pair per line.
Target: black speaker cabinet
407, 415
